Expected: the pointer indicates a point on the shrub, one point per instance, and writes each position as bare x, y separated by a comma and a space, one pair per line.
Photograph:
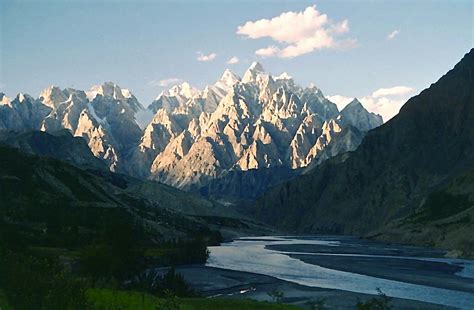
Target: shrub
172, 283
34, 283
382, 302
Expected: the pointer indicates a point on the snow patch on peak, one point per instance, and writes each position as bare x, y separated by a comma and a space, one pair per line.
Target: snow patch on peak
254, 73
184, 89
127, 93
93, 92
312, 87
49, 90
283, 76
108, 89
22, 97
53, 96
256, 66
229, 78
91, 110
4, 100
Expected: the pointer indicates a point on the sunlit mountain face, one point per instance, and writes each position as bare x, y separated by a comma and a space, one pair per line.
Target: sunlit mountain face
236, 155
196, 136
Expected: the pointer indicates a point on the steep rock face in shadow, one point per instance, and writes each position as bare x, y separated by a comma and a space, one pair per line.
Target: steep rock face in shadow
37, 188
428, 144
247, 185
60, 145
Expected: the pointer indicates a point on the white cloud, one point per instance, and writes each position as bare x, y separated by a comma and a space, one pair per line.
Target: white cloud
392, 91
393, 34
385, 106
298, 33
209, 57
384, 101
165, 82
267, 51
233, 60
340, 101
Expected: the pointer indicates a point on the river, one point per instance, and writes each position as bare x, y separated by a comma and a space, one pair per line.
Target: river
354, 265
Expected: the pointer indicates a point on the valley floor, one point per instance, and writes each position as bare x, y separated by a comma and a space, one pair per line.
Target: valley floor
130, 300
217, 283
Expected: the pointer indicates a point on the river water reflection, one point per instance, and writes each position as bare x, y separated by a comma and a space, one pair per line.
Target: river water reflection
354, 265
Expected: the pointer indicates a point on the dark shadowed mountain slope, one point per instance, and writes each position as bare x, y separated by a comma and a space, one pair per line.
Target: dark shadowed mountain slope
60, 145
397, 166
249, 184
38, 189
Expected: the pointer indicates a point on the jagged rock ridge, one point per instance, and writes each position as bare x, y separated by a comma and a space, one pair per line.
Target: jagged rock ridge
259, 121
410, 180
196, 136
103, 116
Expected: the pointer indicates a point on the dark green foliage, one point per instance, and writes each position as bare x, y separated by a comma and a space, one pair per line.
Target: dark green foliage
319, 304
208, 236
10, 237
174, 282
113, 254
184, 252
225, 221
170, 284
441, 204
171, 301
382, 302
61, 226
118, 299
33, 283
276, 295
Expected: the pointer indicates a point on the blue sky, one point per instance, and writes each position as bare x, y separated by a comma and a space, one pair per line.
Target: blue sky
137, 44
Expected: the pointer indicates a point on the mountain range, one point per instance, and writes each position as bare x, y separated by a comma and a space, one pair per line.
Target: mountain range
196, 136
410, 180
311, 168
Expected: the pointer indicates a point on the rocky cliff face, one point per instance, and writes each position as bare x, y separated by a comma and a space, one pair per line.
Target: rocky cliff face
395, 170
22, 113
259, 121
237, 124
60, 145
103, 116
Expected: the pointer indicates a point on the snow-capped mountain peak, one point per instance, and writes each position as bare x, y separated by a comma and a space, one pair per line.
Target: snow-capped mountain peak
262, 121
229, 78
254, 73
283, 76
4, 100
111, 91
354, 103
21, 97
356, 115
256, 66
196, 136
127, 93
184, 89
108, 89
53, 96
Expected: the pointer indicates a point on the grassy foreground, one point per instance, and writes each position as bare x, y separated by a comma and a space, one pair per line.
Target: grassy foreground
114, 299
3, 301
